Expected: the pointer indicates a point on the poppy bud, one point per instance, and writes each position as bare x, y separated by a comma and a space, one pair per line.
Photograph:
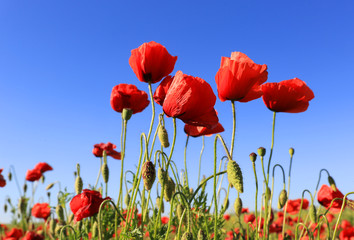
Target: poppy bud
105, 172
94, 230
291, 151
191, 191
313, 214
180, 210
49, 186
268, 193
282, 199
226, 204
127, 114
261, 151
71, 218
332, 183
201, 235
22, 205
149, 174
52, 226
9, 200
78, 185
42, 179
169, 189
253, 157
238, 206
9, 176
163, 136
158, 204
234, 174
187, 236
127, 200
161, 176
5, 208
48, 194
25, 188
60, 213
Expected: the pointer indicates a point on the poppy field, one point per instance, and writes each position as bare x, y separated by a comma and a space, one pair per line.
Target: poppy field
183, 211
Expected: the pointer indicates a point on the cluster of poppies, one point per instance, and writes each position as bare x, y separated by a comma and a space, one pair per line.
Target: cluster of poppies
37, 172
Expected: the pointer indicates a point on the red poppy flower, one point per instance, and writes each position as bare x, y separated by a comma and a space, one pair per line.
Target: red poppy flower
249, 218
294, 206
239, 78
227, 217
347, 234
192, 100
108, 147
196, 131
128, 96
151, 62
162, 89
325, 196
290, 96
41, 210
2, 179
15, 233
86, 204
33, 236
245, 210
33, 175
164, 220
43, 167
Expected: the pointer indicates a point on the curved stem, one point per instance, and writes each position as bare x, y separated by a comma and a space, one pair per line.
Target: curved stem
302, 201
288, 194
233, 128
16, 180
340, 214
62, 230
99, 215
200, 159
122, 166
153, 112
256, 198
319, 226
319, 179
297, 227
271, 148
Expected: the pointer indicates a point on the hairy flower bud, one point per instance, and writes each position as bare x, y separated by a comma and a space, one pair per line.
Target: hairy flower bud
238, 206
234, 174
158, 204
49, 186
127, 200
268, 193
169, 189
313, 213
60, 213
5, 208
201, 235
261, 151
71, 218
105, 172
25, 188
332, 183
78, 185
163, 136
161, 176
282, 198
291, 151
22, 205
43, 179
179, 210
226, 204
187, 236
127, 113
149, 174
52, 225
253, 157
9, 176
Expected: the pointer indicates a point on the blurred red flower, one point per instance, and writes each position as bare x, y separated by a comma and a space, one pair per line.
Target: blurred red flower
227, 217
192, 100
249, 218
15, 233
291, 96
108, 147
43, 167
33, 175
2, 179
33, 236
151, 62
164, 220
347, 234
294, 206
128, 96
239, 78
41, 210
86, 204
325, 196
196, 131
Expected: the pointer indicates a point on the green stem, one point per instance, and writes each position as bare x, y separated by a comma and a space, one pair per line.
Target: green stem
288, 194
200, 160
340, 214
62, 230
122, 166
256, 198
271, 148
297, 227
16, 180
185, 161
99, 173
153, 112
233, 128
99, 216
302, 201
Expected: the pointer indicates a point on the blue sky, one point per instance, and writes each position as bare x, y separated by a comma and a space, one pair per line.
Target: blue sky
60, 59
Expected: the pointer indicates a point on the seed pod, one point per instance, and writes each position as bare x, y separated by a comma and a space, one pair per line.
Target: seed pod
261, 151
163, 136
291, 151
60, 213
49, 186
234, 174
201, 235
94, 230
127, 113
179, 210
187, 236
5, 208
25, 188
127, 200
52, 226
332, 183
22, 205
78, 185
313, 214
105, 172
226, 204
161, 176
149, 174
282, 198
9, 176
169, 189
158, 204
253, 157
238, 206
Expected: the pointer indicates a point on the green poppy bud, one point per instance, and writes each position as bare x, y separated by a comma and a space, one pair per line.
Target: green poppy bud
234, 174
163, 136
78, 185
52, 226
49, 186
179, 210
127, 200
25, 188
291, 151
161, 176
158, 204
94, 230
313, 213
261, 151
60, 213
149, 174
332, 183
282, 199
105, 172
238, 206
9, 176
5, 208
169, 189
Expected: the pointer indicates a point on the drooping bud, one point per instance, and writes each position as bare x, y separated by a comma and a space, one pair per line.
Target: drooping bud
187, 236
9, 176
161, 176
238, 206
332, 183
60, 213
169, 189
234, 174
127, 113
201, 235
42, 178
282, 198
94, 230
49, 186
52, 225
48, 194
268, 193
158, 204
22, 205
5, 208
179, 211
291, 151
78, 185
25, 188
149, 174
313, 214
226, 204
253, 157
261, 151
127, 200
105, 172
163, 136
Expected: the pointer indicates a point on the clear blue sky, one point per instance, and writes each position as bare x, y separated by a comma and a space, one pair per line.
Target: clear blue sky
60, 59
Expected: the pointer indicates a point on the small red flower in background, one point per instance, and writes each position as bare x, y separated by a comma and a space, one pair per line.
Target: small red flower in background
294, 206
192, 100
227, 217
33, 236
41, 210
108, 147
164, 220
291, 96
347, 234
128, 96
197, 131
245, 210
15, 233
239, 78
2, 179
43, 167
86, 204
249, 218
151, 62
33, 175
326, 195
